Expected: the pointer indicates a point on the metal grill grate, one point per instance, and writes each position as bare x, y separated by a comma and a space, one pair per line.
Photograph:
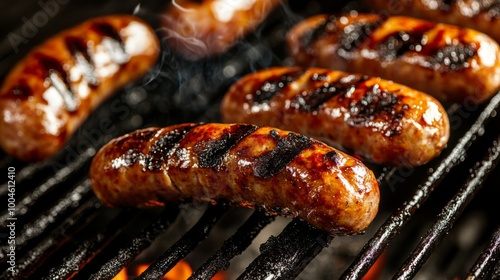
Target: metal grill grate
63, 232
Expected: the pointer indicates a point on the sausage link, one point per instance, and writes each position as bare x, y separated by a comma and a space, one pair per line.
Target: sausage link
380, 120
49, 93
282, 172
481, 15
451, 63
200, 29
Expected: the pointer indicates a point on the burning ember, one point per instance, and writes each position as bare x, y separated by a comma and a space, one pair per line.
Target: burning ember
182, 270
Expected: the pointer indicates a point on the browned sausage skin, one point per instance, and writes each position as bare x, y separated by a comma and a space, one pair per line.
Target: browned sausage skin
279, 171
481, 15
382, 121
49, 93
204, 28
451, 63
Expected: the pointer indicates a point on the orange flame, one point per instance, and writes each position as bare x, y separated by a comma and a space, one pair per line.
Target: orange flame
376, 270
182, 270
122, 275
221, 275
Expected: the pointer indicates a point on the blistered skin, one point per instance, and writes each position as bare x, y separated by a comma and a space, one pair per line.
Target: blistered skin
200, 29
451, 63
481, 15
264, 167
49, 93
382, 121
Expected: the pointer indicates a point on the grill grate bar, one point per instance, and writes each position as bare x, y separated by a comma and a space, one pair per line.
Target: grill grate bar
285, 256
23, 206
37, 228
73, 262
25, 173
374, 248
487, 259
186, 244
447, 217
29, 171
233, 246
126, 253
30, 262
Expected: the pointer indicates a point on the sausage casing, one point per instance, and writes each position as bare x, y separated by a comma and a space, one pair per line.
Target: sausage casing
451, 63
377, 119
483, 16
51, 91
200, 29
282, 172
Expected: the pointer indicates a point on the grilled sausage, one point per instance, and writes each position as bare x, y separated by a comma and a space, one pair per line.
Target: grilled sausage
379, 120
49, 93
481, 15
451, 63
199, 29
281, 172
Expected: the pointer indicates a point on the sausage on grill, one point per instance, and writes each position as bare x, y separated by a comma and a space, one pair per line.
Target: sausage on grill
199, 29
281, 172
377, 119
451, 63
49, 93
481, 15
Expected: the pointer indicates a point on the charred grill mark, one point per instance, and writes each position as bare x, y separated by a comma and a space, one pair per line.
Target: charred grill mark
350, 37
273, 85
287, 149
128, 159
317, 77
158, 153
492, 8
401, 42
378, 103
59, 79
20, 91
164, 147
80, 51
106, 29
128, 148
326, 27
453, 57
353, 35
445, 5
211, 152
51, 64
312, 100
113, 42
